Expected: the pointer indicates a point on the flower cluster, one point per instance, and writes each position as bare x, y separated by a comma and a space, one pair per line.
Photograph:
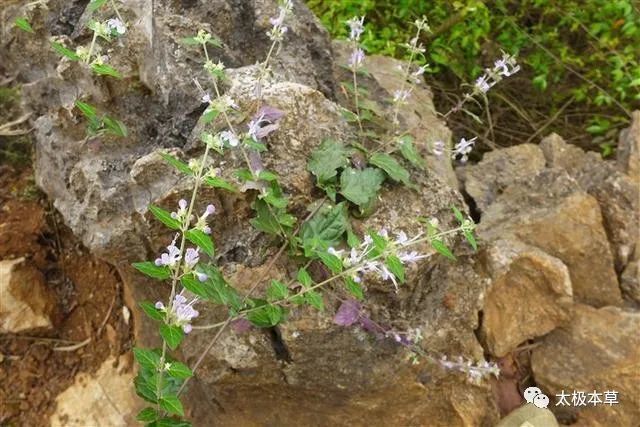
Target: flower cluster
503, 67
460, 151
475, 371
356, 28
360, 258
278, 29
181, 312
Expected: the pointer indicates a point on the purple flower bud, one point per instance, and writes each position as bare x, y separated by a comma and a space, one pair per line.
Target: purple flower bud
183, 204
202, 277
159, 305
206, 229
158, 262
187, 328
210, 210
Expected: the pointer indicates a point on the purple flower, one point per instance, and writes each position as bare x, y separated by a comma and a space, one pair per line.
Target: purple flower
356, 59
191, 257
182, 312
348, 313
201, 276
171, 257
264, 122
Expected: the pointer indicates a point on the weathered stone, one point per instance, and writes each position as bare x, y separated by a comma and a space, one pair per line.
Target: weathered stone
559, 154
105, 398
630, 281
628, 149
598, 350
552, 213
529, 415
498, 169
523, 273
25, 301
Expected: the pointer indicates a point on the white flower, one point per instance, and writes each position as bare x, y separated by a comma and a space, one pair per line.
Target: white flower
114, 25
356, 27
483, 84
191, 257
171, 257
463, 148
506, 66
400, 96
206, 98
356, 59
230, 138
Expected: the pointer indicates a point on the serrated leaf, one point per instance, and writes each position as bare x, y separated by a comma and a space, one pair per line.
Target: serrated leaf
327, 159
209, 115
217, 182
151, 311
150, 269
59, 47
147, 415
148, 359
304, 278
264, 220
391, 167
354, 288
314, 299
395, 266
202, 240
165, 217
192, 284
178, 164
114, 126
95, 5
277, 291
332, 262
105, 70
409, 152
172, 335
361, 186
442, 249
23, 24
218, 290
327, 226
266, 315
179, 370
172, 405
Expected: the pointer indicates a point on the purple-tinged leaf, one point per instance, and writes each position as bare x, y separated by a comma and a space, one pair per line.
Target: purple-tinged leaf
348, 313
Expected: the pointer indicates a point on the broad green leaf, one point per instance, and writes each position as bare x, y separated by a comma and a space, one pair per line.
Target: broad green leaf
202, 240
264, 220
456, 212
277, 291
327, 225
254, 145
105, 70
172, 405
471, 239
172, 335
361, 186
266, 316
217, 182
202, 289
331, 261
147, 415
88, 110
244, 174
151, 310
409, 152
146, 385
314, 299
171, 422
189, 41
179, 370
267, 176
442, 249
95, 5
209, 115
23, 24
148, 359
59, 47
327, 159
116, 127
218, 290
178, 164
354, 288
395, 266
391, 167
165, 217
150, 269
304, 278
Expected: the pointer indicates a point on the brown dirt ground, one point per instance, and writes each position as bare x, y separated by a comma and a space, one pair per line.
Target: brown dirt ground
89, 303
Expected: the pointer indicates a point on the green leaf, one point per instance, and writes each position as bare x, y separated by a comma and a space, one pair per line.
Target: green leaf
456, 212
395, 266
391, 167
202, 289
116, 127
471, 239
23, 24
277, 291
243, 174
331, 261
327, 159
327, 226
361, 186
148, 359
179, 370
151, 311
202, 240
150, 269
59, 47
409, 152
314, 299
217, 182
147, 415
304, 278
105, 70
95, 5
178, 164
354, 288
172, 405
172, 335
88, 110
267, 176
189, 41
254, 145
264, 220
442, 249
209, 115
165, 217
171, 422
218, 290
266, 316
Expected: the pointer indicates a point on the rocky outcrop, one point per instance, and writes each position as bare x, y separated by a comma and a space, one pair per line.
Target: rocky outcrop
599, 350
628, 149
25, 301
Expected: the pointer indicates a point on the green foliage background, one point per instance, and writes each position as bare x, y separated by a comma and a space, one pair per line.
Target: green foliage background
585, 49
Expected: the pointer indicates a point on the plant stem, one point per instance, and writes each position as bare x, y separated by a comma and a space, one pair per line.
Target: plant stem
93, 42
115, 9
